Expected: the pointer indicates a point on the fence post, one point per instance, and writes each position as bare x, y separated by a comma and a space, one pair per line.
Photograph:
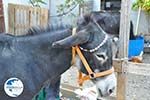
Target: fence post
123, 50
11, 19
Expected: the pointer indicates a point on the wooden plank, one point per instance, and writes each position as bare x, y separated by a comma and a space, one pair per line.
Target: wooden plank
11, 19
43, 17
123, 50
21, 20
38, 15
121, 86
124, 29
27, 20
1, 8
138, 68
25, 17
21, 26
132, 67
68, 91
117, 63
18, 19
2, 23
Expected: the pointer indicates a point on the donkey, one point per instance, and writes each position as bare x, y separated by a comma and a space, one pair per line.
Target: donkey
110, 23
96, 47
38, 59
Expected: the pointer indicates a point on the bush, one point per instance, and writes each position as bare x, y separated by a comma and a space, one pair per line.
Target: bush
144, 4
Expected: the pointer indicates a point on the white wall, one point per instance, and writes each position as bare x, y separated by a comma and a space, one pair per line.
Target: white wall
143, 23
24, 2
64, 19
96, 5
67, 19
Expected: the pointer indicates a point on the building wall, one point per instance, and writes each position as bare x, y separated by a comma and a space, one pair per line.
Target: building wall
143, 23
67, 19
53, 13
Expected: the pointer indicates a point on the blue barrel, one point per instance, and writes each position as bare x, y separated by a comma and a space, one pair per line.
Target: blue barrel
136, 46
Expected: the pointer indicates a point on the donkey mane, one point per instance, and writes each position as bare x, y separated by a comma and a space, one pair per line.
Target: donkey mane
44, 29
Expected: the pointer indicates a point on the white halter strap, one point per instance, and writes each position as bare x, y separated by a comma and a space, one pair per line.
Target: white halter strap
96, 48
101, 44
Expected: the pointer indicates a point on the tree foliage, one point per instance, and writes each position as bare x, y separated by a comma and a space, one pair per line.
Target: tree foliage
68, 6
144, 4
37, 3
63, 9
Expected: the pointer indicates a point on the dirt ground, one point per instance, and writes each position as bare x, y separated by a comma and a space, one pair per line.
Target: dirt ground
138, 87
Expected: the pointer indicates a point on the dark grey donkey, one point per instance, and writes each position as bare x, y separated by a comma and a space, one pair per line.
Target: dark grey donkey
96, 47
110, 23
39, 60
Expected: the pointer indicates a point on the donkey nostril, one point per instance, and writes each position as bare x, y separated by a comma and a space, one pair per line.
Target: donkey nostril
100, 92
110, 91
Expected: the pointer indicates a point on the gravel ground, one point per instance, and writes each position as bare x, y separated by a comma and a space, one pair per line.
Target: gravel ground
138, 87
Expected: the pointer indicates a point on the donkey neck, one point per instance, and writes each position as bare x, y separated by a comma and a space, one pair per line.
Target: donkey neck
45, 39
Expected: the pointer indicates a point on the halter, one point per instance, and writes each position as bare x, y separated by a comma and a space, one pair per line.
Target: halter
96, 48
100, 45
91, 74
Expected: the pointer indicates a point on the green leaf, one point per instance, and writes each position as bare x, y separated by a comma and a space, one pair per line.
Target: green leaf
145, 4
37, 2
43, 2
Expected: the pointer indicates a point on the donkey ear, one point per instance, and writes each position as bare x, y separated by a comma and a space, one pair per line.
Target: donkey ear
70, 41
83, 20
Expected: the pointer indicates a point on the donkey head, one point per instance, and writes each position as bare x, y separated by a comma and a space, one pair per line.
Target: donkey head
96, 48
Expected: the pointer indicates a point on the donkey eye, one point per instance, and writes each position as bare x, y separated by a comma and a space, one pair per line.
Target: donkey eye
100, 56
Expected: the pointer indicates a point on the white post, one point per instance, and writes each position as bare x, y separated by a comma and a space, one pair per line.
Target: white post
137, 23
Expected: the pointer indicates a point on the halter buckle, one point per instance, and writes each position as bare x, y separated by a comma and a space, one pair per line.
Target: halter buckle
92, 76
